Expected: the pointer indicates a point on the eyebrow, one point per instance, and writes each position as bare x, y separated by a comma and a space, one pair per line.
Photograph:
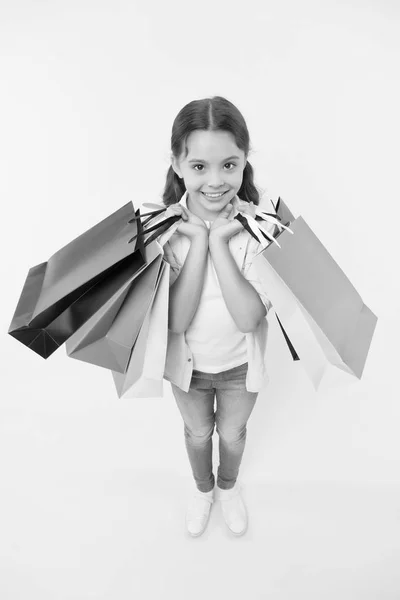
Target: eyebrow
204, 161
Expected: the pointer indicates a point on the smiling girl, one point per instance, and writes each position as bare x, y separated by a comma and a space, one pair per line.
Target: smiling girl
217, 307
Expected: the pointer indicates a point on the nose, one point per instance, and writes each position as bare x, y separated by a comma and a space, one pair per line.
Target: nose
216, 181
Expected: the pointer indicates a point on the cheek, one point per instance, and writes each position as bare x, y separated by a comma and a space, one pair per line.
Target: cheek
192, 181
235, 179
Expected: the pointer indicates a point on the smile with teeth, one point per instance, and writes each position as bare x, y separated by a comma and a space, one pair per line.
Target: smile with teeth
214, 195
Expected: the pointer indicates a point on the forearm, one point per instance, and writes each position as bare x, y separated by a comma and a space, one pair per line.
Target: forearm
241, 298
184, 293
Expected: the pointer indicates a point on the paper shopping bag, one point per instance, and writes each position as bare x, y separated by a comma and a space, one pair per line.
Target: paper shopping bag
320, 310
108, 336
284, 213
270, 220
145, 372
61, 294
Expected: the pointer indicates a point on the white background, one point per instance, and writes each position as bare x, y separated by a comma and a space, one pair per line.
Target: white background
88, 94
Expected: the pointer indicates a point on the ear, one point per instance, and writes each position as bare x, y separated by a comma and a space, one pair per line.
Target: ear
174, 164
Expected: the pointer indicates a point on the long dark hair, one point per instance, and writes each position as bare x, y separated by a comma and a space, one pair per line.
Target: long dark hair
209, 114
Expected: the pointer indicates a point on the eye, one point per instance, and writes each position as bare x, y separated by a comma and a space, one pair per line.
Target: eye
200, 165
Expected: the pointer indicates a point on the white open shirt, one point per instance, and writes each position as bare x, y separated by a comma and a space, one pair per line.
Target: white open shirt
213, 342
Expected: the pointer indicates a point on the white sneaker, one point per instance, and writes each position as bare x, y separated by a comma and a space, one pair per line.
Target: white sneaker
198, 512
234, 510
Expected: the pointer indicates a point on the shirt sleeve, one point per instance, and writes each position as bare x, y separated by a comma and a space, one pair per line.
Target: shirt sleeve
171, 258
250, 273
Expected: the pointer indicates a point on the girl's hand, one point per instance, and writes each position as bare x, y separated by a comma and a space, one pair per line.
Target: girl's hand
192, 226
225, 227
248, 208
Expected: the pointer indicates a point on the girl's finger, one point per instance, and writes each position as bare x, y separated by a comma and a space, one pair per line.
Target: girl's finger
184, 212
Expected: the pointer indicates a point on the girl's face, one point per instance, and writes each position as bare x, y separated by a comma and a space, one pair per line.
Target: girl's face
213, 165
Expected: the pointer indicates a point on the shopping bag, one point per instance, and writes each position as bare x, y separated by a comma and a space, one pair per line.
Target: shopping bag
160, 227
144, 375
284, 213
107, 337
265, 224
61, 294
292, 350
324, 316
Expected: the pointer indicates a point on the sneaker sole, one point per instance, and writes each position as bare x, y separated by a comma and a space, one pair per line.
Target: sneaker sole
238, 534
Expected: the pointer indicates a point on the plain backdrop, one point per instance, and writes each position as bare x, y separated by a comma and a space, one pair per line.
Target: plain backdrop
88, 94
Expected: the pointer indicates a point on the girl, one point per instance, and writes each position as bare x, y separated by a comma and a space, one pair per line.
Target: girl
217, 329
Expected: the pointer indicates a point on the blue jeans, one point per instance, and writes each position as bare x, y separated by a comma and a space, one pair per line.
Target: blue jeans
234, 406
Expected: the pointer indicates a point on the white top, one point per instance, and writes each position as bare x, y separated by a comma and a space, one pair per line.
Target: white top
213, 336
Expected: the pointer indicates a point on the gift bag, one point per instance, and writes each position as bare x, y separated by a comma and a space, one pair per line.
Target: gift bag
269, 222
108, 336
323, 315
61, 294
285, 215
144, 375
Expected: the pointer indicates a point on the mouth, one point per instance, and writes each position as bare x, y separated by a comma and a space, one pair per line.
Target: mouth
214, 196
